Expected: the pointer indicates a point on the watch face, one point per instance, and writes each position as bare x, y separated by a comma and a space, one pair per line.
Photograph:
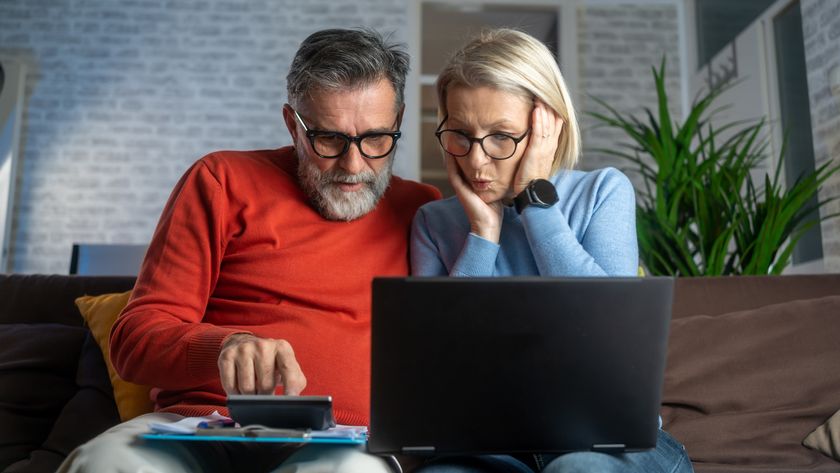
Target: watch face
544, 191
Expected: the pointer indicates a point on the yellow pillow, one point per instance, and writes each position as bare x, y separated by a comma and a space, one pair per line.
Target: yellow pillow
100, 313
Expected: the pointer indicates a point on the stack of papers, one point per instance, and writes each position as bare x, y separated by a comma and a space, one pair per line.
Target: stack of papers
189, 425
219, 427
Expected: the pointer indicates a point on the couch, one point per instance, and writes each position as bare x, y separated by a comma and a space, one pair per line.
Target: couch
55, 392
742, 388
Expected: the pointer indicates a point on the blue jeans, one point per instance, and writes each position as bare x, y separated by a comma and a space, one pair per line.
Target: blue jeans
668, 457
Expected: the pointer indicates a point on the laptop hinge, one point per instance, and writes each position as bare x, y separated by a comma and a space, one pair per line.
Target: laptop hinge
418, 450
609, 447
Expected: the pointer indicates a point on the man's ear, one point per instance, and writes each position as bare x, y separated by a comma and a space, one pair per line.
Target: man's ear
291, 122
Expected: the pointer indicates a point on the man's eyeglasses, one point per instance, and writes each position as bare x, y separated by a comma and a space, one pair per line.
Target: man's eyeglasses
495, 145
333, 144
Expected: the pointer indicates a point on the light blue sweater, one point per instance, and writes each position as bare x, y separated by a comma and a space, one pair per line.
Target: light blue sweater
591, 231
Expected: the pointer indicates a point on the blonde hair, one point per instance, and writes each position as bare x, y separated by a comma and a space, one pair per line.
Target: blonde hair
517, 63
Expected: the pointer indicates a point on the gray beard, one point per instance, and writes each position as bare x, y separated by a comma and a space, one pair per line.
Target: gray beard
332, 202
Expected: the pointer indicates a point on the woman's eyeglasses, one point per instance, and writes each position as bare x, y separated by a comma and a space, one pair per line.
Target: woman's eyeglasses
495, 145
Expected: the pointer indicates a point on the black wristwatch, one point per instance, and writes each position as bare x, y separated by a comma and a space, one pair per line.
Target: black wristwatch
540, 193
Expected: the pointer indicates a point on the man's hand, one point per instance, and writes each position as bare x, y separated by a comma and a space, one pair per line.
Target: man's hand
253, 365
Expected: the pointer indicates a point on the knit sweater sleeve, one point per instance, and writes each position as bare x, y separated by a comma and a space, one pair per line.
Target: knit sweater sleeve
425, 257
160, 339
431, 257
606, 243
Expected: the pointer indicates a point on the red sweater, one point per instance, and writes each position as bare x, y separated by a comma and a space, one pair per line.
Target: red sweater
238, 249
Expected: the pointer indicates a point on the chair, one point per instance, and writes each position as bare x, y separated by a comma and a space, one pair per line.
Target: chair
107, 259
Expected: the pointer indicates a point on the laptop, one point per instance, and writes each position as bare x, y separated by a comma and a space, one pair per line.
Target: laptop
518, 364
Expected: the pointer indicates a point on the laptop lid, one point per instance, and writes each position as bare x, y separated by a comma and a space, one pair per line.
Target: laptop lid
524, 364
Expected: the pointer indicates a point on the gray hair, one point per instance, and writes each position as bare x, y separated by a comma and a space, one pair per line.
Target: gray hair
346, 58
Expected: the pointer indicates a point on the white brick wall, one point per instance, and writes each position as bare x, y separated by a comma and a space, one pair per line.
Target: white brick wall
123, 95
618, 45
821, 31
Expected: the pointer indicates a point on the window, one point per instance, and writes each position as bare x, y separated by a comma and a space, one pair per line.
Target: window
720, 21
796, 115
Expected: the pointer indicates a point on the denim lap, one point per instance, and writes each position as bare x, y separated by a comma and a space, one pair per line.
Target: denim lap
669, 456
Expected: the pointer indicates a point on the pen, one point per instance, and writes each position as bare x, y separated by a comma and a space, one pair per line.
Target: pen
211, 424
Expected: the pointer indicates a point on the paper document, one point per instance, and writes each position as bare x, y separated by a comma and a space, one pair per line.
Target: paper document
217, 425
188, 425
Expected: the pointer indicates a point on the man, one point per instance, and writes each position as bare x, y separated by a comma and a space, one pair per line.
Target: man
257, 279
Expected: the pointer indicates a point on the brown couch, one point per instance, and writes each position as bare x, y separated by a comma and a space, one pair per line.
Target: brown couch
752, 370
54, 388
741, 390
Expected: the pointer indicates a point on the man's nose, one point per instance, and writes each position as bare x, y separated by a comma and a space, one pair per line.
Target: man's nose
353, 162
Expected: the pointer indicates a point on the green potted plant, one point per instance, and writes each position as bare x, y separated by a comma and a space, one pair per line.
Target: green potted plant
700, 213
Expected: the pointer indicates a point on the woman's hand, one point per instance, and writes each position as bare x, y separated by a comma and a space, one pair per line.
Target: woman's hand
546, 127
485, 219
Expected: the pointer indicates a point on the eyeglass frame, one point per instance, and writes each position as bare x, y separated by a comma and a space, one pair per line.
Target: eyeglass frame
480, 141
312, 134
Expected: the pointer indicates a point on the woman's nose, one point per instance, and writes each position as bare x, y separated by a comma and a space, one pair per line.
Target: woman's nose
477, 157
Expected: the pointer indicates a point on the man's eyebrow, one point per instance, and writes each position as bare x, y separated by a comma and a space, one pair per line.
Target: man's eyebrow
379, 130
382, 129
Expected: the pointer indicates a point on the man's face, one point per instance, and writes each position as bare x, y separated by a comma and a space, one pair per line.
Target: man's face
347, 187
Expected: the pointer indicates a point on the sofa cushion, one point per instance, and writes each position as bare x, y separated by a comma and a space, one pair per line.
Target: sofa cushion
716, 295
100, 313
826, 438
38, 298
54, 394
745, 388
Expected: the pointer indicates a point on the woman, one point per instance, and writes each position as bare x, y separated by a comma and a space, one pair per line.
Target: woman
510, 139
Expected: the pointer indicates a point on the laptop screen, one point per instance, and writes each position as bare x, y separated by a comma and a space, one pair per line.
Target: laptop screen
521, 364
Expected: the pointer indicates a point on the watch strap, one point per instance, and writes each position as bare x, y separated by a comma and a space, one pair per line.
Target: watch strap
539, 192
522, 200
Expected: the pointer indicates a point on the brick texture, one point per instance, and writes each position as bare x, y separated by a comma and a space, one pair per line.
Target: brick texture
821, 31
123, 95
618, 45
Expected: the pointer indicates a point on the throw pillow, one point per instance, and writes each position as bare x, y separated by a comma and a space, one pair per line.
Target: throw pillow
826, 438
746, 387
38, 367
100, 313
86, 414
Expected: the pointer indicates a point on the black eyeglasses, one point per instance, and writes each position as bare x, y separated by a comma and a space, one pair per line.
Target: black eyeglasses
457, 143
332, 144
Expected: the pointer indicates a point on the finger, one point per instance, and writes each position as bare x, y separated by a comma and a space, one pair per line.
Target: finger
245, 373
456, 180
536, 120
548, 123
556, 123
468, 198
264, 366
547, 118
289, 370
227, 372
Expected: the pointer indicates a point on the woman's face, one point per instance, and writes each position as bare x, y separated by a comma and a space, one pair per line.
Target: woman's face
483, 111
